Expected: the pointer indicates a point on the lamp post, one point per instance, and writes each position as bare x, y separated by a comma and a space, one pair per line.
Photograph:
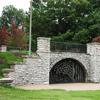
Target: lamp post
30, 29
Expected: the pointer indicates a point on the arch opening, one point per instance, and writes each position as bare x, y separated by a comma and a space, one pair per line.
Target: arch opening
67, 71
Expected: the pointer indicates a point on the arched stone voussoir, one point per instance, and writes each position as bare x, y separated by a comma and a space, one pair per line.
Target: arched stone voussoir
81, 58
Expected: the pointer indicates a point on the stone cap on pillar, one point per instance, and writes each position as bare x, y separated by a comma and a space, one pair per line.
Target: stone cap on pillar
43, 44
93, 48
3, 48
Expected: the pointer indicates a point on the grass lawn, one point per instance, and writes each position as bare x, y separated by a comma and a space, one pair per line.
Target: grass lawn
18, 94
7, 59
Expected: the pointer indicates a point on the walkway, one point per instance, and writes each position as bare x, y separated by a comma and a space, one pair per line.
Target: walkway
68, 87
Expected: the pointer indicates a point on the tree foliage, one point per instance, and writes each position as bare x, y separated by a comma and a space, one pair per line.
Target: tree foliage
3, 35
10, 12
12, 20
17, 37
56, 18
62, 20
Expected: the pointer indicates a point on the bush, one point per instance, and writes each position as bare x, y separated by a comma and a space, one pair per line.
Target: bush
96, 39
66, 37
3, 36
82, 36
6, 60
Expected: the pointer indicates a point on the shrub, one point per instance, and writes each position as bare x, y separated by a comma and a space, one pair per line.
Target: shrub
82, 36
17, 37
96, 39
66, 37
3, 36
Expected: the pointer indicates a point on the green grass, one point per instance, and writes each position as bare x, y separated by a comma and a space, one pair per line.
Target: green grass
18, 94
9, 59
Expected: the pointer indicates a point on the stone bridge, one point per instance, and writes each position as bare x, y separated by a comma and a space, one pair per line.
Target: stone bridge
58, 67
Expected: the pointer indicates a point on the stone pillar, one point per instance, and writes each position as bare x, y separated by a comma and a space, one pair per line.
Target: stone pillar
43, 50
93, 49
43, 44
3, 48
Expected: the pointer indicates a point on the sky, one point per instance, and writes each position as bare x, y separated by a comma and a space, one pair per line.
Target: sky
23, 4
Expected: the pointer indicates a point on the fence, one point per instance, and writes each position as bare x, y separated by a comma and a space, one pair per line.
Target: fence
11, 48
68, 47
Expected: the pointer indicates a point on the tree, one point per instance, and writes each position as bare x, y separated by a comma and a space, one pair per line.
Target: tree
95, 3
59, 17
18, 36
14, 20
3, 35
9, 12
56, 16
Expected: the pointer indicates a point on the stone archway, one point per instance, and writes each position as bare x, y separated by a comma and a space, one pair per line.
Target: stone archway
67, 71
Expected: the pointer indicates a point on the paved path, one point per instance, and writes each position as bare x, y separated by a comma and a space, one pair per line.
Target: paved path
74, 86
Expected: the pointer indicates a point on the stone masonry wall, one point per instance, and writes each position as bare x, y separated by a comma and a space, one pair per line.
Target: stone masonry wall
36, 70
93, 49
81, 57
32, 71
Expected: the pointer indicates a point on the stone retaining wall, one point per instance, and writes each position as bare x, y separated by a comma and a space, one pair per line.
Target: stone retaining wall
36, 70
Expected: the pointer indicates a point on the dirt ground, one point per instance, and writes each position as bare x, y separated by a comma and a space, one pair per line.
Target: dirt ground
68, 87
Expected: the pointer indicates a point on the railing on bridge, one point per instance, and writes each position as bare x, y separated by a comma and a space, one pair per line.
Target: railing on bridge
68, 47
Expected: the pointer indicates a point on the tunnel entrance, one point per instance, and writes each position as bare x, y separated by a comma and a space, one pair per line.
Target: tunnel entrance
67, 71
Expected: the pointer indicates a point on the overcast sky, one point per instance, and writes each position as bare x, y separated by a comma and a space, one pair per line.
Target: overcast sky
23, 4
